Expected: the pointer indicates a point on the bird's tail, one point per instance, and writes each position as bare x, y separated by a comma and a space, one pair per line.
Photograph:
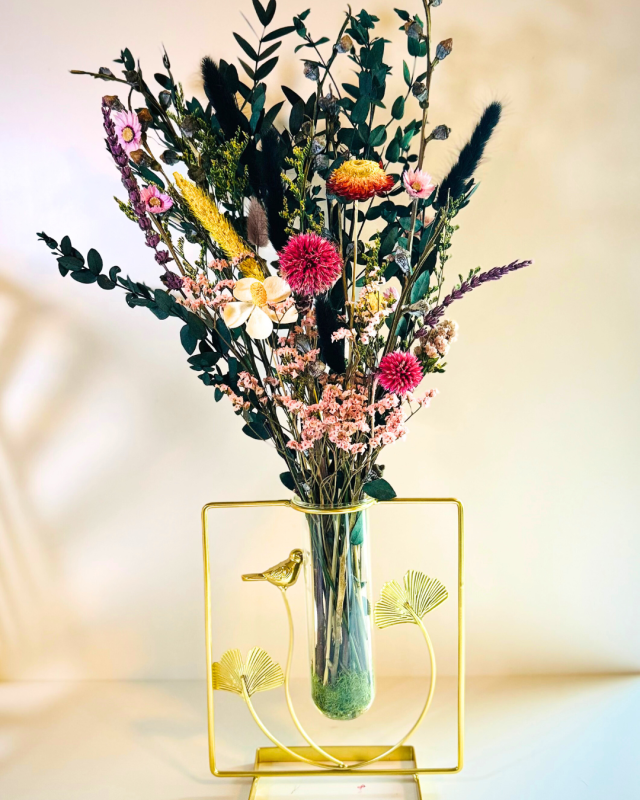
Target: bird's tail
254, 576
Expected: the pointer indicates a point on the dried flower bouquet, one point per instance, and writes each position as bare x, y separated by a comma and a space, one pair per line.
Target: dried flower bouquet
303, 246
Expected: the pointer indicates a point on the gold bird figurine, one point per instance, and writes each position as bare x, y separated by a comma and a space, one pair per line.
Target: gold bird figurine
283, 575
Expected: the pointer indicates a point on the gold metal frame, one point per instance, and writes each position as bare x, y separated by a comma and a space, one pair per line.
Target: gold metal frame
271, 755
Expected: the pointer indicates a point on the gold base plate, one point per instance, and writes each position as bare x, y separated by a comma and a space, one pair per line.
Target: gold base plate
346, 753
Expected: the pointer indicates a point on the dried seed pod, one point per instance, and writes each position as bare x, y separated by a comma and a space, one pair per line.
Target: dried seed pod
328, 103
345, 44
443, 49
113, 102
441, 132
413, 29
420, 91
316, 368
311, 71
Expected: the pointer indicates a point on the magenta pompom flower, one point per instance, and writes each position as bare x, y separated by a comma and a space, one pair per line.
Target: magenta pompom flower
128, 130
310, 264
418, 183
155, 201
399, 372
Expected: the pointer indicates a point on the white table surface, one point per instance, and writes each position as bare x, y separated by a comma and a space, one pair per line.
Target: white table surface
533, 738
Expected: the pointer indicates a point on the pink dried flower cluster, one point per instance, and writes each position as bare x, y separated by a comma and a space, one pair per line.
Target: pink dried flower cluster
437, 340
345, 415
291, 363
310, 264
238, 403
201, 293
399, 372
343, 334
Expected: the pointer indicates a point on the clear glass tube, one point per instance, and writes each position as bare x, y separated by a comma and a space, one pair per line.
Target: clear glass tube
339, 606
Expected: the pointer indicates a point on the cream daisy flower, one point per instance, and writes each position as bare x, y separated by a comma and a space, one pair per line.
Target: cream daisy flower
255, 307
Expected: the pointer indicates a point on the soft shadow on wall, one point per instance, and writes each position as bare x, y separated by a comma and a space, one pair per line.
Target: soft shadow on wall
48, 475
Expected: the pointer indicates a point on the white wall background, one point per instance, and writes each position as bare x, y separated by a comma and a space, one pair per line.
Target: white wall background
109, 445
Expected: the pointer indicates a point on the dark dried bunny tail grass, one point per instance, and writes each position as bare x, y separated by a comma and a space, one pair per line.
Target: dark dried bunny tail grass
271, 166
332, 353
458, 180
221, 98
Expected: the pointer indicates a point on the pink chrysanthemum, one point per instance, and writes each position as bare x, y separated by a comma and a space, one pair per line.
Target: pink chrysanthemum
128, 130
310, 264
399, 372
418, 183
155, 201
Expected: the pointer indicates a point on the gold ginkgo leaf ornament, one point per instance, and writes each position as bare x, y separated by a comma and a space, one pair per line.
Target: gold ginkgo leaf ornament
418, 595
259, 672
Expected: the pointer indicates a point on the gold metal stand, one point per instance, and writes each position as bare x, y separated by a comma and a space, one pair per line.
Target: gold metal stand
398, 604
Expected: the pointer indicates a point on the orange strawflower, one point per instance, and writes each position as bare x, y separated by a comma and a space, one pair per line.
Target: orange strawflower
359, 180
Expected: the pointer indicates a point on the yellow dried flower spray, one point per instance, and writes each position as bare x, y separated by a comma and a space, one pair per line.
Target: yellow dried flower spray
206, 212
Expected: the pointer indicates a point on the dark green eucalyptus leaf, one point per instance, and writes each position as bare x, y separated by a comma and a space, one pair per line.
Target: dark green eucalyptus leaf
379, 489
196, 326
397, 109
279, 33
105, 283
256, 431
244, 44
127, 59
149, 176
66, 247
365, 81
378, 136
113, 273
94, 261
264, 69
402, 14
357, 532
270, 116
270, 12
291, 96
247, 69
189, 341
84, 276
388, 241
393, 150
296, 117
287, 480
360, 111
51, 243
377, 54
261, 12
421, 286
406, 74
163, 80
70, 263
266, 53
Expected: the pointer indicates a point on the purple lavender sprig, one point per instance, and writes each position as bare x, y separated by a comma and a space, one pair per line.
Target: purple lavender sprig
494, 274
152, 239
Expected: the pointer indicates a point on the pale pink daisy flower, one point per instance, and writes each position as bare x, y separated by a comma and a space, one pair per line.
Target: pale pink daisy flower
418, 183
155, 201
128, 130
